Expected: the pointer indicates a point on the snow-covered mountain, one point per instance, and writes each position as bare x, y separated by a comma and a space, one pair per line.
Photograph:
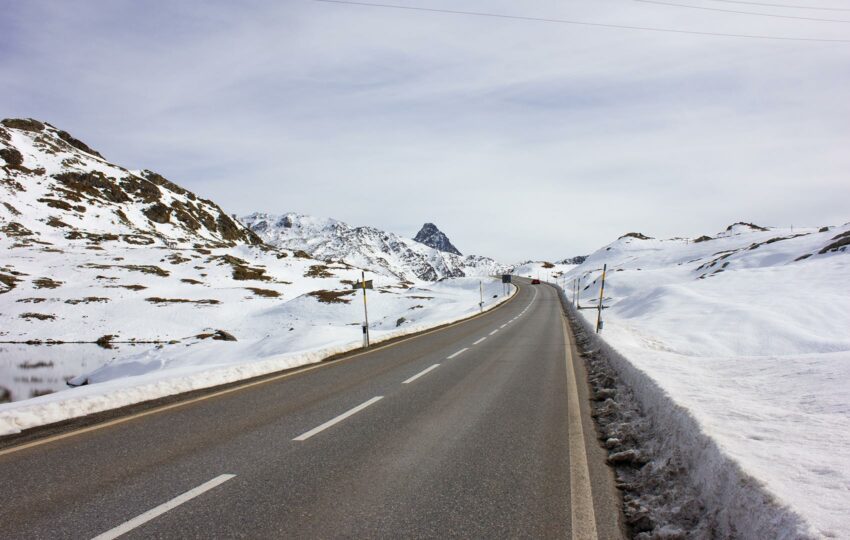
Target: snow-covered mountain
367, 247
57, 189
433, 237
135, 275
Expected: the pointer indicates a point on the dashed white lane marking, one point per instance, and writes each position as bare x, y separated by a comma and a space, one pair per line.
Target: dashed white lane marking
494, 331
423, 372
504, 325
336, 420
479, 341
137, 521
457, 353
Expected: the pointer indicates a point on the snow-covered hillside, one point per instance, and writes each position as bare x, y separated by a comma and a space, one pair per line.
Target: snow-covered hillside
748, 330
367, 247
543, 270
156, 282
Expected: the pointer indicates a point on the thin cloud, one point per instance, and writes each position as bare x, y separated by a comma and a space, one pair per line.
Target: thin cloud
519, 140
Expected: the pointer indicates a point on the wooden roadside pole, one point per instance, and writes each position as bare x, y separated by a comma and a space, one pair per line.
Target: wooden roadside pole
599, 307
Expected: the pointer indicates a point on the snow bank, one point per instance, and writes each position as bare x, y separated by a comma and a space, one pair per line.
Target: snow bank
741, 341
679, 481
167, 371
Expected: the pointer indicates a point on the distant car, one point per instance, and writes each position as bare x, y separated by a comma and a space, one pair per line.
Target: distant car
535, 281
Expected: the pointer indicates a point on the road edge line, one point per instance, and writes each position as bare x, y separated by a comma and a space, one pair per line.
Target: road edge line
582, 514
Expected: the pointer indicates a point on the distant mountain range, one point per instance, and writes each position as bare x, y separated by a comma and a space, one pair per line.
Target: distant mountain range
371, 248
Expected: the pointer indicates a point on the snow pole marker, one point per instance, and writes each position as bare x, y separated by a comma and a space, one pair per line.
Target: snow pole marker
599, 307
365, 311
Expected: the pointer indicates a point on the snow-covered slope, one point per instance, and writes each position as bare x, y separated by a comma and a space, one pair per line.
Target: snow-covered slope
150, 282
543, 270
367, 247
748, 330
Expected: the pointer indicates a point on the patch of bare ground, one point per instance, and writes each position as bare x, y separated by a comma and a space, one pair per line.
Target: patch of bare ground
12, 210
143, 268
12, 157
8, 282
242, 271
165, 301
128, 287
265, 293
176, 258
46, 283
31, 300
421, 297
138, 239
191, 281
332, 297
40, 316
54, 221
318, 271
13, 229
87, 300
105, 341
300, 254
637, 235
24, 124
219, 335
35, 365
745, 224
841, 242
547, 264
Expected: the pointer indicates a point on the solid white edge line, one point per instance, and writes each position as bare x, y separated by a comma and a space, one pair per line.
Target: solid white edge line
479, 341
423, 372
457, 353
582, 515
139, 520
340, 418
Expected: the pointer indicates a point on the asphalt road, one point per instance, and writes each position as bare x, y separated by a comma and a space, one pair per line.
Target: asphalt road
479, 430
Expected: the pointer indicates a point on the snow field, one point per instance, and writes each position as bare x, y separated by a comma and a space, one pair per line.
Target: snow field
742, 371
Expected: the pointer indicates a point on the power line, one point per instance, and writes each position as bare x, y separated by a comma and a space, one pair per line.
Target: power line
787, 6
741, 12
583, 23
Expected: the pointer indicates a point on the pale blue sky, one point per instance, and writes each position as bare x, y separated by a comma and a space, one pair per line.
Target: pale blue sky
519, 139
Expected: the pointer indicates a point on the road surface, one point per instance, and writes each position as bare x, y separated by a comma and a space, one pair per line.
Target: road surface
479, 430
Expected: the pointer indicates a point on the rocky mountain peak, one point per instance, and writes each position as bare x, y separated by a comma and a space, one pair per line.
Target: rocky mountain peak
433, 237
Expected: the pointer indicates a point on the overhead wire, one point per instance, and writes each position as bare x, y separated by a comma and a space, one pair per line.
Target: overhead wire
690, 6
583, 23
785, 6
